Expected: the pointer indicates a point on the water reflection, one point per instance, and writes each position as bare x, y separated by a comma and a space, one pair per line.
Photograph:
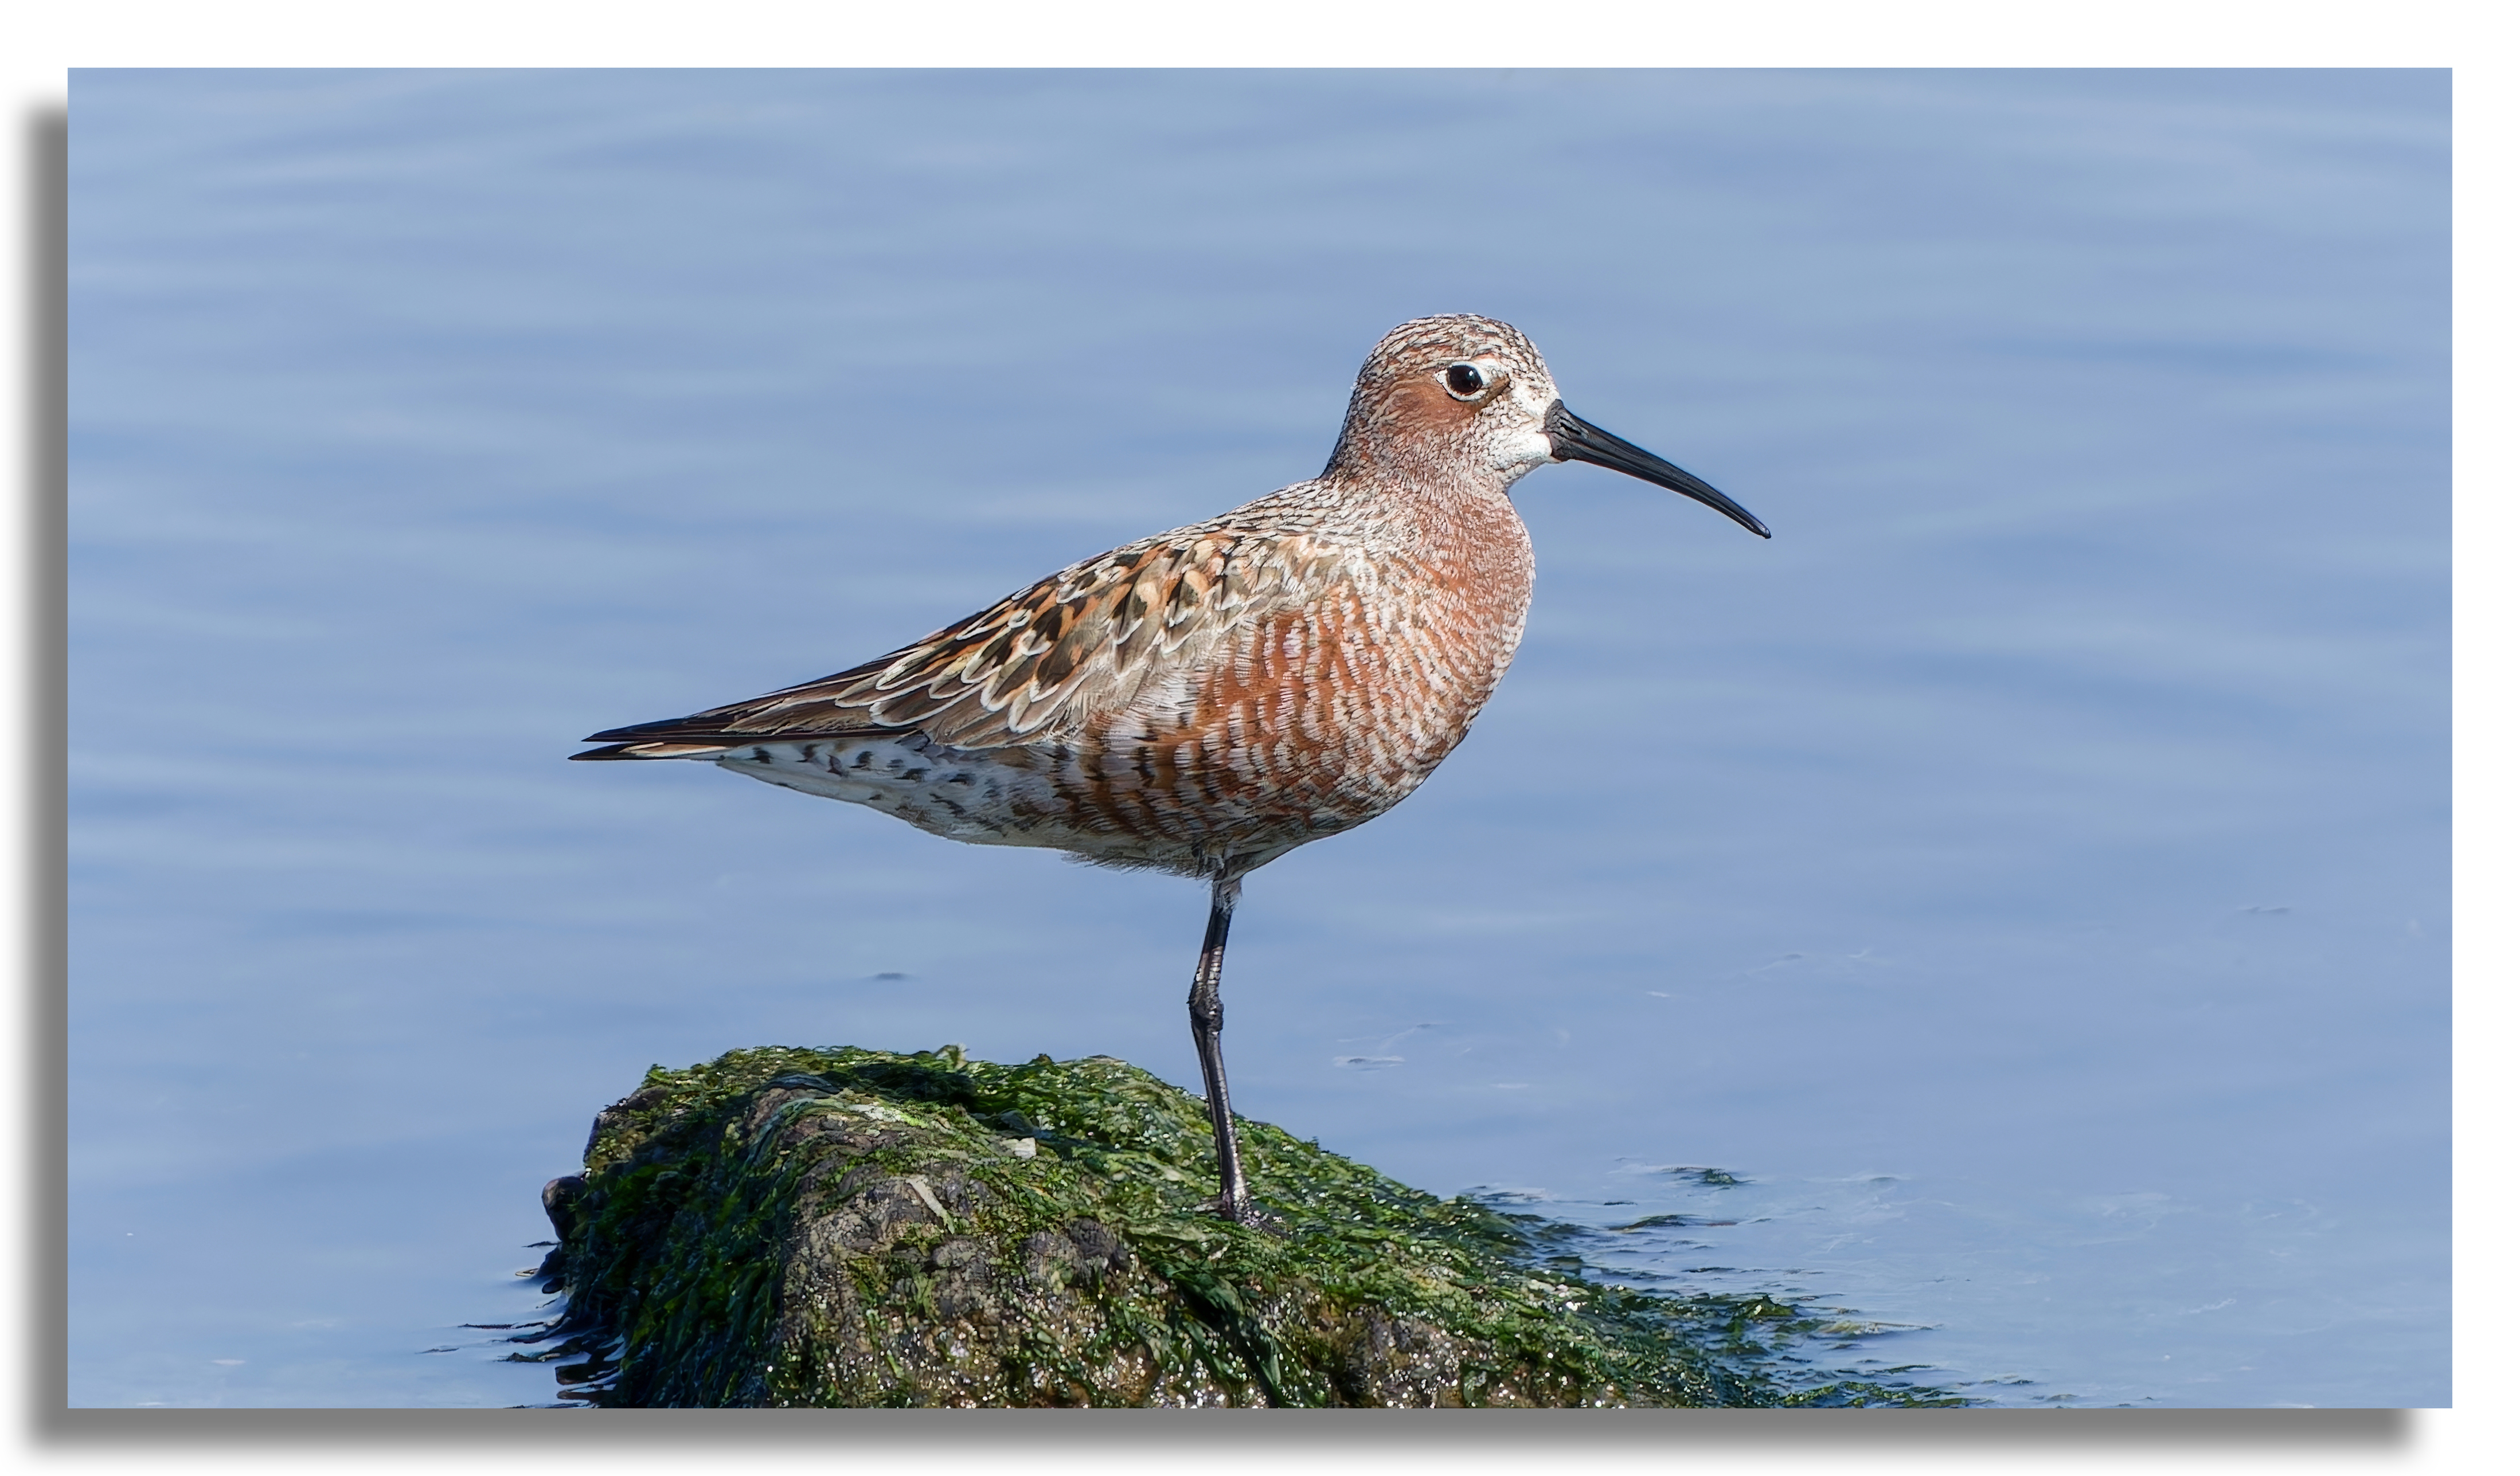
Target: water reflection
1907, 1283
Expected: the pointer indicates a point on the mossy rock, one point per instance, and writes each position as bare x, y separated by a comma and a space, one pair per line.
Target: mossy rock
850, 1228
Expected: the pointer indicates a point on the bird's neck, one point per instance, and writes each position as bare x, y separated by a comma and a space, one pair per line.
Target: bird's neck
1442, 516
1441, 481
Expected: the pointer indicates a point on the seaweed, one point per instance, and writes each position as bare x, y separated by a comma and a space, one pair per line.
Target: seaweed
846, 1227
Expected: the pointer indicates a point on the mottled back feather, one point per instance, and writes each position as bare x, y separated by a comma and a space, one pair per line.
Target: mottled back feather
1040, 664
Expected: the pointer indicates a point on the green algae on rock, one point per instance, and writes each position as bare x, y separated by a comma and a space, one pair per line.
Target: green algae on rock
852, 1227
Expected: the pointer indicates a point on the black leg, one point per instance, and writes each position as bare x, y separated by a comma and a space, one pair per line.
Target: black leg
1206, 1025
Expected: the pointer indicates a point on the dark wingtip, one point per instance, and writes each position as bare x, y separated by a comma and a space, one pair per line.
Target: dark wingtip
659, 748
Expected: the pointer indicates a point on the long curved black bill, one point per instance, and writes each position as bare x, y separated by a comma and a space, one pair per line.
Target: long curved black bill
1571, 440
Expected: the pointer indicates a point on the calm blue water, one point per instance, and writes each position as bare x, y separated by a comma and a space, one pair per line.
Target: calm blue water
2027, 874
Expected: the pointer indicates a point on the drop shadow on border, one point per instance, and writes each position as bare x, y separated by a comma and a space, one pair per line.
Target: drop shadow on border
42, 595
1191, 1431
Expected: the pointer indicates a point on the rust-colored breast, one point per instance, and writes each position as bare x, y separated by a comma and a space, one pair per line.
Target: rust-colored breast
1315, 713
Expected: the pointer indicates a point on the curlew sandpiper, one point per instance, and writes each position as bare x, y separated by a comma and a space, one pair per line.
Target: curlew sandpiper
1205, 700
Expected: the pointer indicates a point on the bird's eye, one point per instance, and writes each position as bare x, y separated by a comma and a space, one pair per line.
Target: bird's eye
1464, 381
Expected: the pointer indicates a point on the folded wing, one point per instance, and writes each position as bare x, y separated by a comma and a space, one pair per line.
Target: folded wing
1035, 667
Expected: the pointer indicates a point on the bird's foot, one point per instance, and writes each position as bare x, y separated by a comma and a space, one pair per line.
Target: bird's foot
1246, 1214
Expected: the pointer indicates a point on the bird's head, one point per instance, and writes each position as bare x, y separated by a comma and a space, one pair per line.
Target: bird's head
1445, 398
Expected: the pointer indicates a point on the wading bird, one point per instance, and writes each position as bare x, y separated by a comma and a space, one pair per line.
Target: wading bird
1205, 700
